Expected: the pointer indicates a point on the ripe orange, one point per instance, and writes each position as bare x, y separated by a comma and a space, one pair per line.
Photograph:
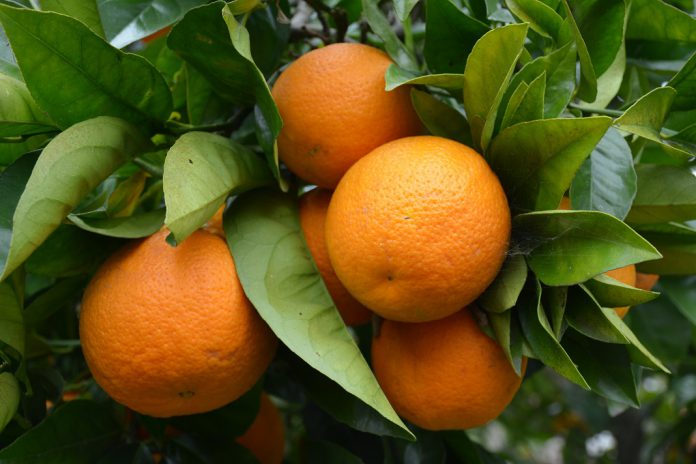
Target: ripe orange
418, 229
444, 374
626, 275
265, 438
313, 207
168, 331
646, 281
335, 110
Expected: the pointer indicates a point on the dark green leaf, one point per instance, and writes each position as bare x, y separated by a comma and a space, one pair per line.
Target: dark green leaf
202, 103
537, 160
126, 21
280, 279
446, 24
78, 432
439, 118
9, 398
396, 77
606, 181
681, 291
538, 333
8, 64
200, 171
84, 10
606, 367
380, 25
584, 314
70, 166
57, 296
494, 56
601, 25
657, 20
403, 8
665, 193
588, 78
19, 115
203, 40
88, 78
676, 243
569, 247
136, 226
11, 320
610, 293
325, 451
638, 352
684, 82
468, 451
502, 294
508, 334
555, 300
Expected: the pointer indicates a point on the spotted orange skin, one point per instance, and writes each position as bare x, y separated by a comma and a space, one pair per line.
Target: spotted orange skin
418, 228
265, 438
444, 374
168, 331
335, 110
313, 208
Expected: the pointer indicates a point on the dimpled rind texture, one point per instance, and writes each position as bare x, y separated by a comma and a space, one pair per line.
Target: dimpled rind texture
265, 437
313, 208
335, 110
445, 374
626, 275
168, 331
418, 229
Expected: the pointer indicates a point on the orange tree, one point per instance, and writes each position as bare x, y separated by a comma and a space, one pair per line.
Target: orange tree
126, 128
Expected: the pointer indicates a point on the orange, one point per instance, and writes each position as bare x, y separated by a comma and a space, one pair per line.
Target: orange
418, 229
265, 438
168, 331
646, 281
313, 208
626, 275
444, 374
335, 110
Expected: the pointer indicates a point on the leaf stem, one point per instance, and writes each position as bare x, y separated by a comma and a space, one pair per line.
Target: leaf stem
153, 170
602, 111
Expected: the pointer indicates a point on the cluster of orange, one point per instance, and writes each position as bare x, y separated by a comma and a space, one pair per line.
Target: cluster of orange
416, 229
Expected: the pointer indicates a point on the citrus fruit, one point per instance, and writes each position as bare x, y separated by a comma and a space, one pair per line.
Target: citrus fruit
418, 229
444, 374
626, 275
265, 438
168, 331
313, 208
646, 281
335, 110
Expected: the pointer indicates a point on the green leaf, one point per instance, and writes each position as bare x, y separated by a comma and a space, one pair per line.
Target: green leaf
380, 25
12, 332
396, 77
676, 243
541, 18
56, 297
486, 76
531, 105
537, 160
19, 114
9, 398
588, 78
538, 333
8, 64
266, 112
136, 226
200, 171
467, 450
502, 294
508, 334
657, 20
585, 315
646, 117
555, 300
607, 180
665, 193
70, 166
89, 78
439, 118
203, 106
610, 293
570, 247
606, 367
326, 451
84, 10
511, 104
202, 39
279, 277
78, 432
446, 24
684, 82
638, 352
403, 8
681, 291
126, 21
12, 183
340, 404
601, 24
